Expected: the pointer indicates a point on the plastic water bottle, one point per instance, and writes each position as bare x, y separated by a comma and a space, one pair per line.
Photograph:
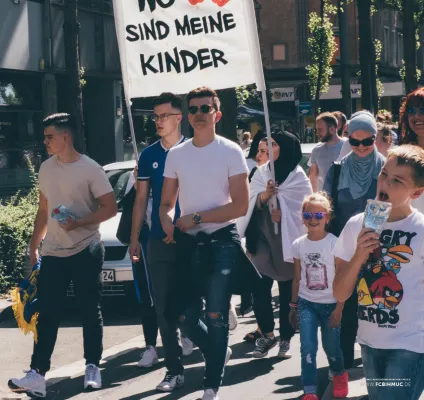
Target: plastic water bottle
62, 214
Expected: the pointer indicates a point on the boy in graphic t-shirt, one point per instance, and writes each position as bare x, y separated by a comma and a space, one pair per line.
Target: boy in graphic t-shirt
390, 284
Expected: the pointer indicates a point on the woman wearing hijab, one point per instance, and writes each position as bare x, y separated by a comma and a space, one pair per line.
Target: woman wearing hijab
412, 126
351, 183
272, 253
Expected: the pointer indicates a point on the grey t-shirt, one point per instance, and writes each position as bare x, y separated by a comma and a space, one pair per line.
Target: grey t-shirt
323, 157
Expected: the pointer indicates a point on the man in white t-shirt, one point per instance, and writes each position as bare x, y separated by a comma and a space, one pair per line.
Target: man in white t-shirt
388, 272
209, 175
72, 250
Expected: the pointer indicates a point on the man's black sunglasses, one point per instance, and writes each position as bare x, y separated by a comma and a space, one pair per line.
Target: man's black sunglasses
204, 109
366, 142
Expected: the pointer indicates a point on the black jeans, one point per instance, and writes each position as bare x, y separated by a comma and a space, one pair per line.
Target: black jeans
56, 273
349, 329
149, 321
162, 263
262, 298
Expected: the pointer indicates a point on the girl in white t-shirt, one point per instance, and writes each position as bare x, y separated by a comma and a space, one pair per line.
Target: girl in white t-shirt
313, 304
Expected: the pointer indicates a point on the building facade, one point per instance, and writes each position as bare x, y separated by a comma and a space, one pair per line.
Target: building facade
33, 83
284, 45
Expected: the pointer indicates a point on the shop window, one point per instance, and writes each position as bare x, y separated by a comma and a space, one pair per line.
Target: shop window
21, 133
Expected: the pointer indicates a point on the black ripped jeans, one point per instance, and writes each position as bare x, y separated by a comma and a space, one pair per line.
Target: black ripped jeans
56, 273
212, 337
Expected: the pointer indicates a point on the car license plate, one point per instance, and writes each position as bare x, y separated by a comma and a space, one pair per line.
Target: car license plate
108, 275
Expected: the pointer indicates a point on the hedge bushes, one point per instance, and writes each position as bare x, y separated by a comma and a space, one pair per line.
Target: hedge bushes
16, 225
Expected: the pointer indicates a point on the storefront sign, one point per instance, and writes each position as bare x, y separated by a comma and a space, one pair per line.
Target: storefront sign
305, 108
283, 94
390, 89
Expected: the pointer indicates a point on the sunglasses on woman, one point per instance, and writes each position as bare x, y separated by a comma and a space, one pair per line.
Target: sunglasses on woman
307, 216
204, 109
413, 110
365, 142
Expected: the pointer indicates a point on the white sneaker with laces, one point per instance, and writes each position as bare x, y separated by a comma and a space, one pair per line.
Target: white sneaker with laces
170, 383
187, 346
33, 384
210, 394
93, 377
232, 318
284, 351
148, 358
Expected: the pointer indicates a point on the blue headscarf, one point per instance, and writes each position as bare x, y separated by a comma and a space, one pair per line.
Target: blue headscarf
357, 173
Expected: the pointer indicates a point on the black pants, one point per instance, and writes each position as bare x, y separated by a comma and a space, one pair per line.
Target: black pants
56, 273
149, 321
262, 305
349, 329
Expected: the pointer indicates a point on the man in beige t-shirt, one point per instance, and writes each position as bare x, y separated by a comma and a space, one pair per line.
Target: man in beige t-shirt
72, 250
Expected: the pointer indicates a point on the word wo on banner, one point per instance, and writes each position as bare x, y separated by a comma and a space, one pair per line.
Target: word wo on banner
176, 45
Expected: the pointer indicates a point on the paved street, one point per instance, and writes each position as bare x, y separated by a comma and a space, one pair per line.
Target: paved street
245, 377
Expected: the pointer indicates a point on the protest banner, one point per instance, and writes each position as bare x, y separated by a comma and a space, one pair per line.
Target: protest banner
182, 44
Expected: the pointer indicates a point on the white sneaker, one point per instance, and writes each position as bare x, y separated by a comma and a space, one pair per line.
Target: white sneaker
93, 378
284, 351
228, 356
170, 383
187, 346
33, 384
210, 394
232, 318
148, 358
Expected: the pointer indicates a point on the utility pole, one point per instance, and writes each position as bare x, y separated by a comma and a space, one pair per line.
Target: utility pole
74, 92
344, 57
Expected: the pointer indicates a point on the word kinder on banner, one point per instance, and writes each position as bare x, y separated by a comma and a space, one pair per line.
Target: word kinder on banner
176, 45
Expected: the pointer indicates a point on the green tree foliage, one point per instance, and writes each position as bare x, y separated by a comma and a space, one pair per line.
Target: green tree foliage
322, 47
16, 224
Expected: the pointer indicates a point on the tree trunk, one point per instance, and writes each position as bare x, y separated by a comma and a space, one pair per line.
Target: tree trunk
228, 125
320, 65
74, 93
367, 57
409, 46
344, 58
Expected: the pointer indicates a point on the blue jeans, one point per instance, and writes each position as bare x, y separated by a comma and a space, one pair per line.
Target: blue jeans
393, 374
311, 316
212, 337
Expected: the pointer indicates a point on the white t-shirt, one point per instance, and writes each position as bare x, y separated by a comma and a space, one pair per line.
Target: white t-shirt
391, 289
202, 174
419, 204
317, 268
346, 149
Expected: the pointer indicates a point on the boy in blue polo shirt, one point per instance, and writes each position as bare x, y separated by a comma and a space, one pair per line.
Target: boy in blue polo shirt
161, 253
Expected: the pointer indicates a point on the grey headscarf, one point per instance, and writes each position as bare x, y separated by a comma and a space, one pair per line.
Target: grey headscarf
357, 173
